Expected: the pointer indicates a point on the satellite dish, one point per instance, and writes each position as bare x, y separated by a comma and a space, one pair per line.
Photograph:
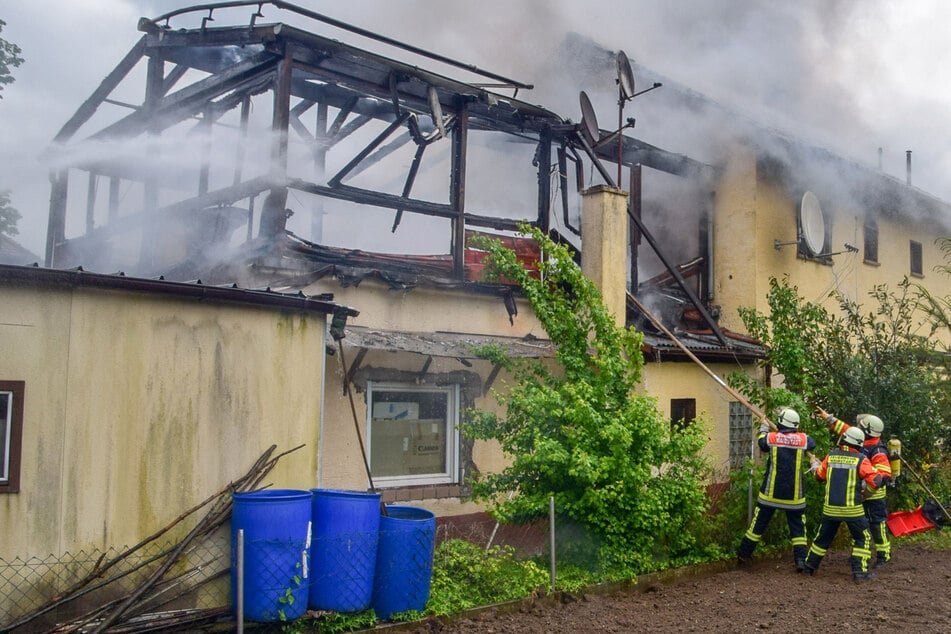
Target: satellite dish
812, 223
589, 122
625, 76
435, 110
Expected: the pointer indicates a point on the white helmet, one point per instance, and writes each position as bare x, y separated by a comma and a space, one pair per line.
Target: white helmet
871, 425
853, 437
788, 418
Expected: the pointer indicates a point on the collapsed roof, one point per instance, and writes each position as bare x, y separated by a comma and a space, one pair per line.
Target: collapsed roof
389, 149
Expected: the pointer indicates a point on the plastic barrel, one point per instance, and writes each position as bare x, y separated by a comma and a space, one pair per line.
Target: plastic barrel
404, 563
277, 532
343, 554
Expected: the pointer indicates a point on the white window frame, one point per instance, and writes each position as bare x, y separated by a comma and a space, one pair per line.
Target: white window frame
450, 475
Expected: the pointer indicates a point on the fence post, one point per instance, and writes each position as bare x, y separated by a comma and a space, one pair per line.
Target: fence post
551, 538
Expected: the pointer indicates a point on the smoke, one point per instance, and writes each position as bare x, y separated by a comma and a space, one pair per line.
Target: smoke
847, 76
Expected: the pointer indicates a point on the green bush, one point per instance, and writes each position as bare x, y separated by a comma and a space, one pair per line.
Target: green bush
584, 434
465, 576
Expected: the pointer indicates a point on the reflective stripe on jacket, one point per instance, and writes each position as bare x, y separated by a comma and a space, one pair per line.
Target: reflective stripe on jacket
782, 484
844, 470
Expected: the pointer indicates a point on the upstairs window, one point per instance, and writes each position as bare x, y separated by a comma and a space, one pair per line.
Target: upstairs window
916, 266
870, 244
11, 427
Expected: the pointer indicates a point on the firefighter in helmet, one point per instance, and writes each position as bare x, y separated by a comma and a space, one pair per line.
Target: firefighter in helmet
845, 471
873, 501
782, 488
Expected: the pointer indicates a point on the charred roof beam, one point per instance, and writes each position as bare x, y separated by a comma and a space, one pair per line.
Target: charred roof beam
191, 100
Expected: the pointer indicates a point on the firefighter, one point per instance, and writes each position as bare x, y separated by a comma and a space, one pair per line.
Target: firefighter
782, 487
846, 470
874, 501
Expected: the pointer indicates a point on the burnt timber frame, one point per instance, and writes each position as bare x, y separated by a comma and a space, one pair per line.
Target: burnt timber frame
244, 61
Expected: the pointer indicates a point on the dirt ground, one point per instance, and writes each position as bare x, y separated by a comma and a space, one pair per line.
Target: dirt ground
911, 594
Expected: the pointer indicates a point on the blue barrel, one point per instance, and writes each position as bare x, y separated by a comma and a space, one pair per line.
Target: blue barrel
404, 563
277, 530
343, 555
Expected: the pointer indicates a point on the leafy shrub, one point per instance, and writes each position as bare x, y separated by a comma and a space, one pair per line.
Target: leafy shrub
465, 575
584, 434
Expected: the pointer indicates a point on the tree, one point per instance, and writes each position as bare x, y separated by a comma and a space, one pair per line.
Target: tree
9, 59
583, 433
8, 215
878, 361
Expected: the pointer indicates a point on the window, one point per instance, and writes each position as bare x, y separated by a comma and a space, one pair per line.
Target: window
870, 246
916, 265
682, 413
11, 426
413, 434
741, 434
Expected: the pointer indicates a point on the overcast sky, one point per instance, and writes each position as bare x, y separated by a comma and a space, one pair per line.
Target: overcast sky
851, 75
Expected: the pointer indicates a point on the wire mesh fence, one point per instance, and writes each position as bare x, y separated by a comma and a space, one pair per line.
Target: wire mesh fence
33, 584
281, 577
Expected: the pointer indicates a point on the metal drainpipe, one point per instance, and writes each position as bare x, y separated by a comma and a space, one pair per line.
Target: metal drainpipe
908, 166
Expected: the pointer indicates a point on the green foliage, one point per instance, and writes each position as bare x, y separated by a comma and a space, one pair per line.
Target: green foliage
854, 361
880, 360
465, 575
583, 434
8, 215
9, 59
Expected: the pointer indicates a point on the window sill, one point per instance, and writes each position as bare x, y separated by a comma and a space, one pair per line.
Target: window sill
423, 492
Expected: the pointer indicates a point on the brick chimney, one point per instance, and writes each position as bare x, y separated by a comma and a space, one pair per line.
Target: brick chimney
604, 245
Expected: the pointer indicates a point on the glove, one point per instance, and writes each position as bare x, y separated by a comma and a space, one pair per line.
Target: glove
814, 465
764, 428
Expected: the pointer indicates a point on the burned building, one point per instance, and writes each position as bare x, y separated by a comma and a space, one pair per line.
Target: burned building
252, 146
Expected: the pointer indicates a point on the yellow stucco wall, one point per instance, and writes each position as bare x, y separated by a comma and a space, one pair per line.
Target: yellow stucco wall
417, 310
752, 212
666, 380
137, 408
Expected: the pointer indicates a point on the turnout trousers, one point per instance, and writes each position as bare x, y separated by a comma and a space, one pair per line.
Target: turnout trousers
795, 519
861, 540
877, 514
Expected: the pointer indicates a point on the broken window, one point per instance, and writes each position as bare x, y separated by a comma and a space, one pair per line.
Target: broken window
11, 424
412, 432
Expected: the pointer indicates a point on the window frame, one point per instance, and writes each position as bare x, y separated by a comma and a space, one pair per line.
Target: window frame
916, 257
870, 242
683, 411
451, 473
11, 448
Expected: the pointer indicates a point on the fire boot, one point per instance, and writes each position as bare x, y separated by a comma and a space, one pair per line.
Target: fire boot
881, 560
860, 572
799, 557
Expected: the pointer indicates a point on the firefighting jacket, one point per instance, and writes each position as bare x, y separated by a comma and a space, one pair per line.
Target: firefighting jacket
844, 470
782, 484
876, 452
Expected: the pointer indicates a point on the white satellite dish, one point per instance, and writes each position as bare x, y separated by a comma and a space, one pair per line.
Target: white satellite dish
812, 223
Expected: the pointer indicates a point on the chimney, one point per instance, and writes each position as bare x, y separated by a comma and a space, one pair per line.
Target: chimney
604, 245
908, 166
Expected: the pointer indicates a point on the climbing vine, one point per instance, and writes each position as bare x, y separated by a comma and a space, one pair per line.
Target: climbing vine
581, 432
